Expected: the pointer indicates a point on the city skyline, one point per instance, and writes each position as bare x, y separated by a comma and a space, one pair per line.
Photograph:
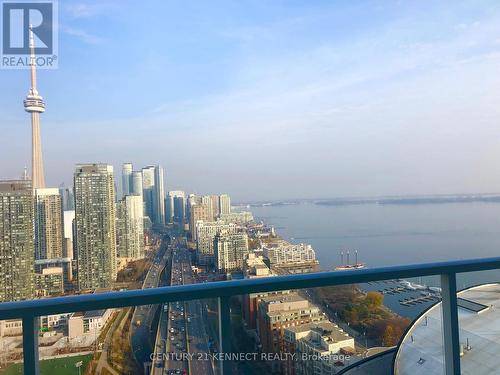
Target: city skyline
396, 101
215, 159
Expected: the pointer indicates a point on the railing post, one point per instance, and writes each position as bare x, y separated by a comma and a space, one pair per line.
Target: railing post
451, 338
225, 333
31, 324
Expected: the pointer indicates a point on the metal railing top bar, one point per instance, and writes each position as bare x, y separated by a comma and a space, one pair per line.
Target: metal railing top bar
86, 302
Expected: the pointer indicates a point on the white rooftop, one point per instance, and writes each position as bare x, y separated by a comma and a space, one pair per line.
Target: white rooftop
421, 351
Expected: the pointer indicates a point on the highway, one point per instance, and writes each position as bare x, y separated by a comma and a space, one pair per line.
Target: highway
200, 361
140, 333
181, 342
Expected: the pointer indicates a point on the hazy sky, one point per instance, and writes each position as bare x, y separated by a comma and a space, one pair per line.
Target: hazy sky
271, 99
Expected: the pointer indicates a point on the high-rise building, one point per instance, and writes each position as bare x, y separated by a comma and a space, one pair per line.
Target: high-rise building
95, 225
126, 178
207, 201
224, 204
169, 209
154, 194
199, 212
136, 184
175, 209
35, 105
17, 247
179, 210
159, 197
205, 234
230, 251
148, 183
215, 205
68, 198
49, 228
69, 230
130, 227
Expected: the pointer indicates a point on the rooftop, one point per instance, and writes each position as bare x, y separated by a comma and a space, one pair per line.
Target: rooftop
327, 329
421, 351
94, 313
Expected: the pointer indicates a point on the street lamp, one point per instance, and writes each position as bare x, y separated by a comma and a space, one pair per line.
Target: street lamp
78, 365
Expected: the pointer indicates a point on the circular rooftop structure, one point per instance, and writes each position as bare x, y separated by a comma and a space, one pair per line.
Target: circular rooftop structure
421, 350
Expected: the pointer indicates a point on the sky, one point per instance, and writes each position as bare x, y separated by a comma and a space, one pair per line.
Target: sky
270, 99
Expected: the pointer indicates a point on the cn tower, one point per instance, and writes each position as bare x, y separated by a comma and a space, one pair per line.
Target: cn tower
34, 104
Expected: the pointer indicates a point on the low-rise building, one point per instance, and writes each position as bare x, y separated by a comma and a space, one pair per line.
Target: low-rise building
255, 267
241, 218
82, 323
283, 252
55, 320
317, 348
11, 327
49, 282
278, 312
65, 263
14, 327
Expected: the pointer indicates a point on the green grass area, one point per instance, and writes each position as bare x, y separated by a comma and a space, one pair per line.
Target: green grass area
59, 366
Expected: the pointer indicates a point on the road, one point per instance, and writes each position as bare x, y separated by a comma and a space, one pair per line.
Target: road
140, 333
181, 341
103, 359
200, 362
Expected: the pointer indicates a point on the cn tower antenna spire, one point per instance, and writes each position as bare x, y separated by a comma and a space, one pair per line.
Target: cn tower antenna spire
34, 105
32, 61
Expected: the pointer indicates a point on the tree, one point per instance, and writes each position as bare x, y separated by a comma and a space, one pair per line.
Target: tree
374, 299
392, 334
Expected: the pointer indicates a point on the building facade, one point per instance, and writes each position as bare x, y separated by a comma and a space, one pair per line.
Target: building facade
154, 194
207, 201
88, 322
159, 197
179, 202
148, 182
49, 282
283, 252
199, 212
242, 218
224, 204
17, 248
317, 347
278, 312
95, 225
205, 235
49, 227
130, 227
230, 251
126, 178
136, 184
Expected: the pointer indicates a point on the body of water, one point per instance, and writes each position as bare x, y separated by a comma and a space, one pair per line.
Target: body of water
393, 234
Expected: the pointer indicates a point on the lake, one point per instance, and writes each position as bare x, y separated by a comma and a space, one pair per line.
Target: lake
392, 234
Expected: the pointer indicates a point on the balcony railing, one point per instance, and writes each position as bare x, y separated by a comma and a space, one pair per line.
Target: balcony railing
30, 311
